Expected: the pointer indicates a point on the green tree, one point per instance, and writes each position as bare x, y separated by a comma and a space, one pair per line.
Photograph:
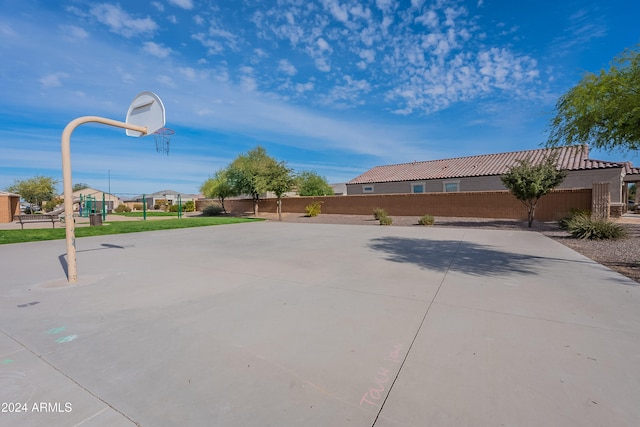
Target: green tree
250, 174
529, 182
218, 187
602, 110
280, 181
80, 186
312, 184
35, 190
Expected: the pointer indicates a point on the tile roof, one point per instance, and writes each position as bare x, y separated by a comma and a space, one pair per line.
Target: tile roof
574, 157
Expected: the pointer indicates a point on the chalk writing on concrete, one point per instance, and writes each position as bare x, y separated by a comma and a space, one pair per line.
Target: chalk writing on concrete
54, 331
68, 338
381, 380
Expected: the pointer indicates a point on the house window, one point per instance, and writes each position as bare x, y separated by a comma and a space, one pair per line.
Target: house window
417, 187
451, 186
367, 188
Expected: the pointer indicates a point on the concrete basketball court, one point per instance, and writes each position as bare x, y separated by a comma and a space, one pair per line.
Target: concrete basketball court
280, 324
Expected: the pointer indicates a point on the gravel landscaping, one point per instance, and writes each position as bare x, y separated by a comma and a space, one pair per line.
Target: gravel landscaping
621, 255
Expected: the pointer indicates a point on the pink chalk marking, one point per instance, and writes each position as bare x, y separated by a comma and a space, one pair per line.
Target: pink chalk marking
381, 377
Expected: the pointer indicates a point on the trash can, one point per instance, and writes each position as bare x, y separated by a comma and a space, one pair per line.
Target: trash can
95, 219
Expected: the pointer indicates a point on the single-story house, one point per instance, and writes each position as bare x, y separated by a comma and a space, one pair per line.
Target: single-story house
111, 202
164, 197
482, 173
9, 206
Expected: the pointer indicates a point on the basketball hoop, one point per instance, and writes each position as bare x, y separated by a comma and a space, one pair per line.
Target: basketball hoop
162, 137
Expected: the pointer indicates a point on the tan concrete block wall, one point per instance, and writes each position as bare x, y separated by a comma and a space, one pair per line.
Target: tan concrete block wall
488, 204
9, 207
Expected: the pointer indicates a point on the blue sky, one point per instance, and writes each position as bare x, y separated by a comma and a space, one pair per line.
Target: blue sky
332, 86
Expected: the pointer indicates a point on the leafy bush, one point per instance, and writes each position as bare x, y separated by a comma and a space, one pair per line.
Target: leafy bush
137, 206
122, 209
52, 204
174, 208
584, 227
563, 223
189, 206
212, 210
426, 220
314, 209
386, 220
379, 213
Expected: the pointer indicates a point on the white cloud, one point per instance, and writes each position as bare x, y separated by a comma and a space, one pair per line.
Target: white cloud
185, 4
156, 49
259, 55
287, 68
188, 72
248, 83
385, 5
347, 95
53, 80
323, 45
158, 5
340, 12
166, 81
429, 19
120, 22
199, 20
74, 32
582, 27
214, 47
301, 88
7, 30
126, 76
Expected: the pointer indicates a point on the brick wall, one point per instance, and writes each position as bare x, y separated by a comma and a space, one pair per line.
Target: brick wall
486, 204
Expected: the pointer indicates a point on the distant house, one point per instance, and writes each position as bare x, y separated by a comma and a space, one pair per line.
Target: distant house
163, 197
339, 189
95, 198
482, 173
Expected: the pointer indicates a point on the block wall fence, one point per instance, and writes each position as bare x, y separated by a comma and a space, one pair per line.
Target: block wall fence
9, 207
485, 204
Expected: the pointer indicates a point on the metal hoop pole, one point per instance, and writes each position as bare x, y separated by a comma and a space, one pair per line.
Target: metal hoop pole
65, 142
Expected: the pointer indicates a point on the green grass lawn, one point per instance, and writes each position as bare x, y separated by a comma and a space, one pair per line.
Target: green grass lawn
116, 227
138, 214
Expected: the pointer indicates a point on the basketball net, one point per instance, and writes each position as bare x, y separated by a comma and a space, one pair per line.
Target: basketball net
162, 137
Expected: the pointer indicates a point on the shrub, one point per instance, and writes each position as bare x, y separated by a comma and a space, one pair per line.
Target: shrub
212, 210
379, 213
52, 204
137, 207
174, 208
386, 220
426, 220
189, 206
583, 227
313, 209
572, 214
122, 209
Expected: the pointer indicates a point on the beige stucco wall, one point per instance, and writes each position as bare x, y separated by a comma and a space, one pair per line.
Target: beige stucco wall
574, 179
98, 195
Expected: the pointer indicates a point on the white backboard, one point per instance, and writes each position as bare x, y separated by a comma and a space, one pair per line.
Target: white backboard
146, 109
